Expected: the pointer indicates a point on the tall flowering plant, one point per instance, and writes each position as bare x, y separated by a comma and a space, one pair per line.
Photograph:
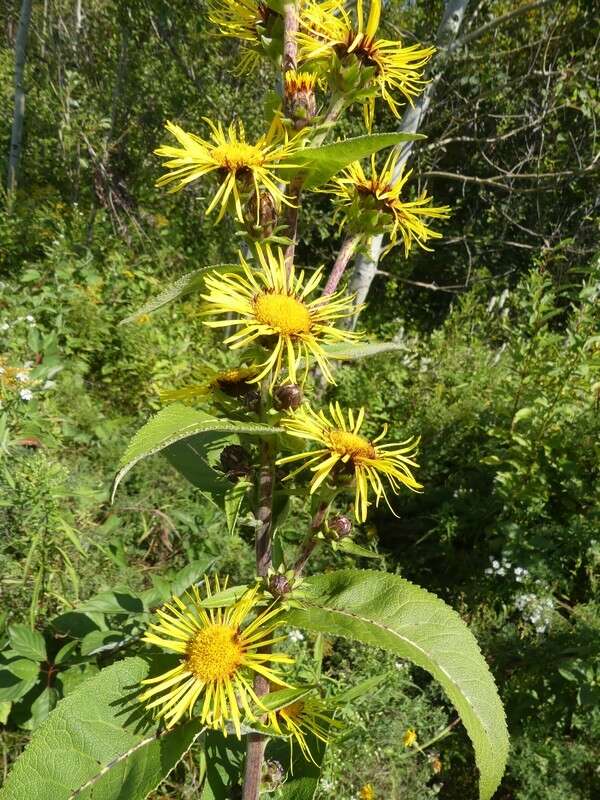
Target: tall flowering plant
215, 666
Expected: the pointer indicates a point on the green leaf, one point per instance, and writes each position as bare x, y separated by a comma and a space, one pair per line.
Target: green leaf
234, 497
321, 163
187, 284
96, 744
359, 689
225, 598
41, 707
17, 678
190, 574
389, 612
222, 765
113, 603
98, 641
348, 351
27, 642
188, 459
178, 422
5, 707
273, 701
353, 549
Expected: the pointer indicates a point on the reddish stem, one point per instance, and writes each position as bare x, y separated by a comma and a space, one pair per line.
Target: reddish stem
343, 257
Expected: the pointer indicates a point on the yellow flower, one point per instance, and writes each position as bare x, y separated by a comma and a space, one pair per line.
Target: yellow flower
409, 738
218, 657
296, 82
249, 20
380, 194
345, 450
242, 167
367, 792
308, 715
231, 382
272, 306
328, 29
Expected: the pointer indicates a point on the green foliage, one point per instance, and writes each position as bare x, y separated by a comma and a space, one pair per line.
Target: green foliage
176, 423
327, 160
498, 373
95, 744
388, 612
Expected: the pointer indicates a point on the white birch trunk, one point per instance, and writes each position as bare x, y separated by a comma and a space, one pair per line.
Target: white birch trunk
16, 139
365, 266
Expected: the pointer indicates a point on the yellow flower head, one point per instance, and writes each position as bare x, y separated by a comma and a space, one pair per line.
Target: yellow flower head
217, 658
364, 200
308, 715
297, 82
244, 169
328, 29
231, 382
272, 306
347, 451
367, 792
409, 738
246, 20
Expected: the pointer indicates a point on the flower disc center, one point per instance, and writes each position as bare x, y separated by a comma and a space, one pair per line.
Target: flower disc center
286, 315
351, 444
214, 654
294, 710
238, 155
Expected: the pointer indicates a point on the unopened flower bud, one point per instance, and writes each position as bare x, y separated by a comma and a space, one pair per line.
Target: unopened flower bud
260, 215
235, 462
340, 527
279, 585
252, 400
288, 397
300, 103
273, 775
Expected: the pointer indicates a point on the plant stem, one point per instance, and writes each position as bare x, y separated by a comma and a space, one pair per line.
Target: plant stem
255, 748
291, 220
289, 62
343, 257
290, 29
311, 541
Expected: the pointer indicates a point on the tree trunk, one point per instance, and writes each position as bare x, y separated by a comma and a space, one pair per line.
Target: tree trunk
19, 113
365, 266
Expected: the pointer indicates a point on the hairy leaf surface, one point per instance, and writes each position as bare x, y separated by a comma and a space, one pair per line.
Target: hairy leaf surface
178, 422
323, 162
188, 284
96, 745
389, 612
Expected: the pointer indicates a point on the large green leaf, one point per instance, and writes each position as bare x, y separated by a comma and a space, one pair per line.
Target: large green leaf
319, 164
189, 458
96, 744
178, 422
188, 284
389, 612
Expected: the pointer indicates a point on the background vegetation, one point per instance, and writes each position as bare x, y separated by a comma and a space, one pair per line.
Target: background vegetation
499, 372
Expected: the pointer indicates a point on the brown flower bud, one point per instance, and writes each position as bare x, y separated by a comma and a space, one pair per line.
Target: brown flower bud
340, 527
273, 775
260, 215
235, 462
279, 585
289, 396
300, 103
